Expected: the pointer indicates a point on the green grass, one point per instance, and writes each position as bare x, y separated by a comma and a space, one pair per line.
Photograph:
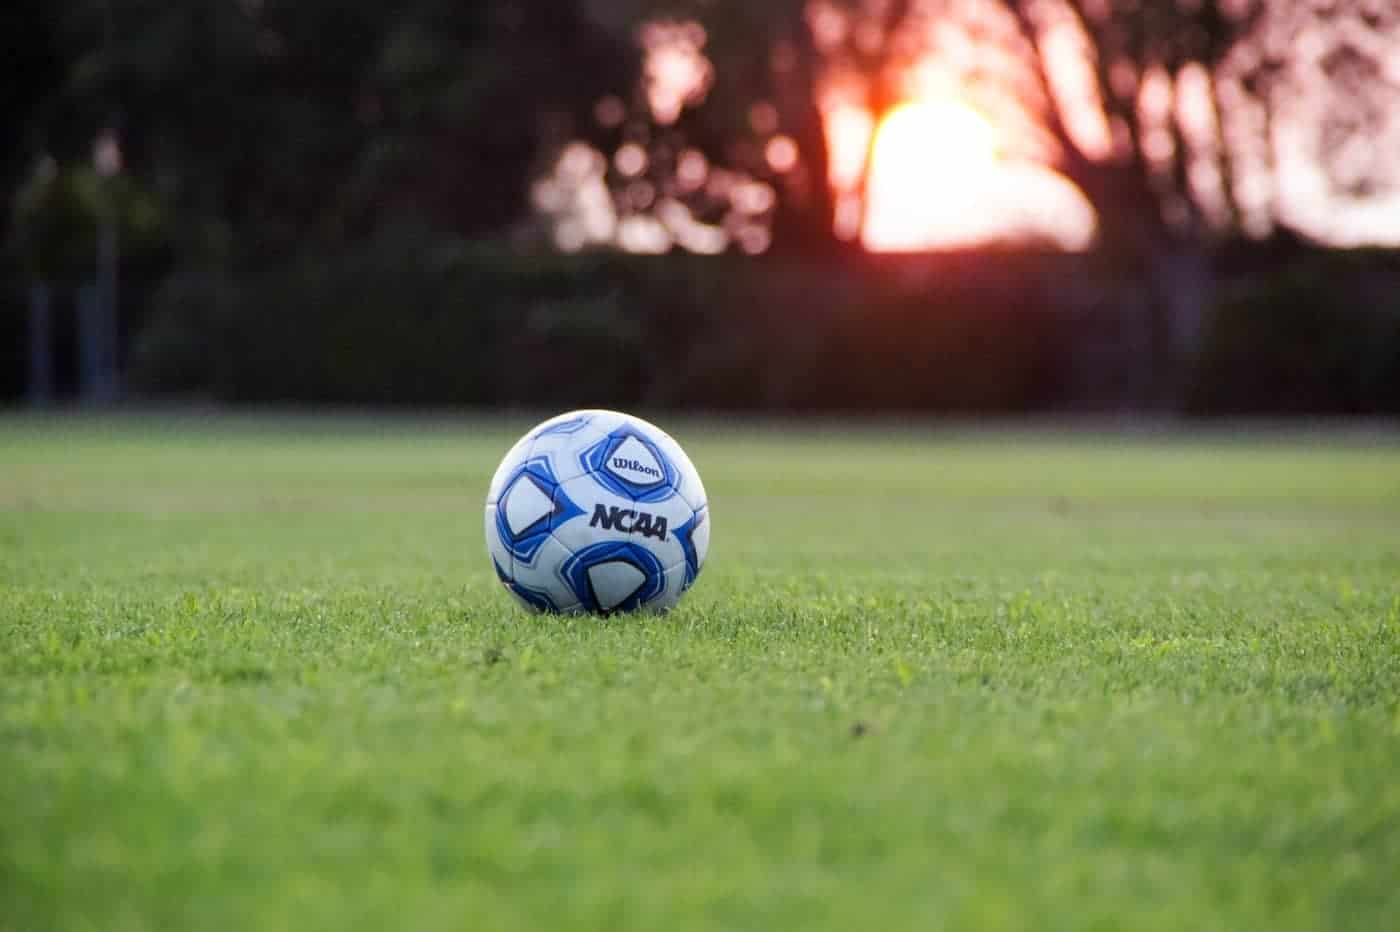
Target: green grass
257, 675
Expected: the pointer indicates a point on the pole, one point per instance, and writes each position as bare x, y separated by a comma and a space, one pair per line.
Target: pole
90, 376
107, 157
40, 344
107, 386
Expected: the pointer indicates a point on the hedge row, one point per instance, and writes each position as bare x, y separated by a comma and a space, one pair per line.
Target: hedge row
408, 319
1320, 336
396, 324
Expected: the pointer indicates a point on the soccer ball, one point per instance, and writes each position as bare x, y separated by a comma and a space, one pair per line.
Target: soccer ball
597, 511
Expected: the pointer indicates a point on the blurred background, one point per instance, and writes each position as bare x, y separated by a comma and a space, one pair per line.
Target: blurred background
958, 206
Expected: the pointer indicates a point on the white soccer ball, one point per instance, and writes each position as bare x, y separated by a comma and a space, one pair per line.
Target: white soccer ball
597, 511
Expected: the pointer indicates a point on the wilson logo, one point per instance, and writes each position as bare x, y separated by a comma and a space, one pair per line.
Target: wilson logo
612, 518
620, 462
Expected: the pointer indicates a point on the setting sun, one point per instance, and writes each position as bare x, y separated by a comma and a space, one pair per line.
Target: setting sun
938, 134
937, 180
928, 160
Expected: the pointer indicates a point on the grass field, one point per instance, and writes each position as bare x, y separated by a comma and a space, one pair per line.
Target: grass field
258, 675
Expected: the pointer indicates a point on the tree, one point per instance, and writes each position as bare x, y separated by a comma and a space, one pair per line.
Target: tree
1163, 113
270, 121
35, 73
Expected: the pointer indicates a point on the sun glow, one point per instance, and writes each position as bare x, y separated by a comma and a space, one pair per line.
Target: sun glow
848, 130
937, 180
927, 158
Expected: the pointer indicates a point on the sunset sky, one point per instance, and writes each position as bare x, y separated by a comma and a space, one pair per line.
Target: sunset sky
956, 164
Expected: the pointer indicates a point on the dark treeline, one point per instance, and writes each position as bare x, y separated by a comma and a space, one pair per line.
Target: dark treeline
322, 201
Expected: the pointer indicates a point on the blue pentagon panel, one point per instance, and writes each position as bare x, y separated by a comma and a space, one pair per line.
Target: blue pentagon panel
565, 508
693, 532
615, 576
496, 546
537, 599
540, 583
563, 449
566, 425
628, 463
700, 538
530, 505
676, 586
605, 420
509, 463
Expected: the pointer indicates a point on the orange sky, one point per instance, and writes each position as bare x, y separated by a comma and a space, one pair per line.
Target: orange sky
957, 164
938, 180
